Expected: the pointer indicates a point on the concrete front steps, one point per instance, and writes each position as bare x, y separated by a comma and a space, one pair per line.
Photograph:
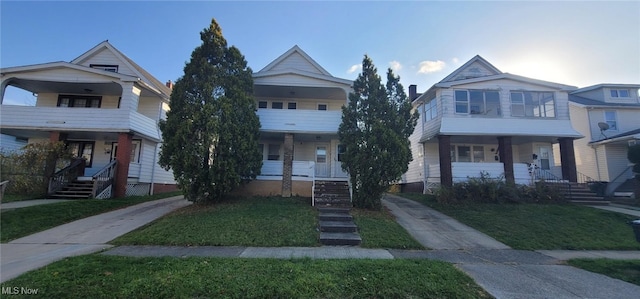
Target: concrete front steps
581, 194
332, 193
337, 227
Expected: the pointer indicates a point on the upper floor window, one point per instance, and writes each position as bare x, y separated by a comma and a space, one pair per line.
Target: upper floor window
322, 107
262, 104
532, 104
292, 105
610, 118
105, 67
479, 102
79, 101
430, 110
276, 105
619, 93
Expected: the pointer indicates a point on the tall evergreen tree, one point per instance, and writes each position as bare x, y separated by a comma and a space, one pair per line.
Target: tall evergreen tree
375, 129
211, 132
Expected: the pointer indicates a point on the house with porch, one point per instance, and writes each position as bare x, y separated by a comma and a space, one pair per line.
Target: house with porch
300, 108
608, 115
481, 120
106, 108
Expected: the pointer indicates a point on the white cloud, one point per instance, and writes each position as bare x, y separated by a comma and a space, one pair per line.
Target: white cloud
429, 66
395, 65
454, 60
354, 68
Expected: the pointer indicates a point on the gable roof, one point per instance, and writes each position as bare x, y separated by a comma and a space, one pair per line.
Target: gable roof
138, 70
478, 60
64, 64
295, 53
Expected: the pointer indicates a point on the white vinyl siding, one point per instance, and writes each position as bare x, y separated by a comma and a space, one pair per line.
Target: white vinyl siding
106, 57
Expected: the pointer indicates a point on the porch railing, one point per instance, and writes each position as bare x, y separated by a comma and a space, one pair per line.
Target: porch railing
104, 178
66, 175
544, 175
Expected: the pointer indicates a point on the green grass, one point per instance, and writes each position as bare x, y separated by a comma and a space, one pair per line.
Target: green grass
21, 222
97, 276
379, 229
627, 270
18, 197
543, 226
256, 221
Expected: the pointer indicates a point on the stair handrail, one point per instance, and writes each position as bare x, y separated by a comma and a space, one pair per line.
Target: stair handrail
66, 175
104, 178
613, 184
584, 179
313, 183
546, 175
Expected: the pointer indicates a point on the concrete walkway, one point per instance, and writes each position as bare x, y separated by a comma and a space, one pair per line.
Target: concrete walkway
28, 203
83, 236
503, 273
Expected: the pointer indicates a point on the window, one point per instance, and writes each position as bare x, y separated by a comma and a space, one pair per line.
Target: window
82, 149
430, 110
79, 101
321, 154
532, 104
610, 118
105, 67
274, 152
292, 105
462, 101
619, 93
276, 105
262, 104
466, 153
341, 150
322, 107
479, 102
136, 149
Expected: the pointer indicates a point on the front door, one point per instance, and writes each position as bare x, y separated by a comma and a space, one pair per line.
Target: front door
544, 157
322, 160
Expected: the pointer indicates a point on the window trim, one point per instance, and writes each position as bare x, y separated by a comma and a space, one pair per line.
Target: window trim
73, 98
615, 120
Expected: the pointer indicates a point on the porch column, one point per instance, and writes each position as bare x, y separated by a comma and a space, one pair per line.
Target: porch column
568, 160
506, 157
123, 156
54, 136
444, 151
287, 166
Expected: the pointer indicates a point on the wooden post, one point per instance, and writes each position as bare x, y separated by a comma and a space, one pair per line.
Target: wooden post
444, 150
506, 157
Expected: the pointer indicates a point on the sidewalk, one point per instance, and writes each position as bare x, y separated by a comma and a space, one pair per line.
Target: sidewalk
83, 236
27, 203
507, 273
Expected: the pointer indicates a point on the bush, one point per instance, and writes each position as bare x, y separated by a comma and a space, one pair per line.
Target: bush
26, 170
485, 189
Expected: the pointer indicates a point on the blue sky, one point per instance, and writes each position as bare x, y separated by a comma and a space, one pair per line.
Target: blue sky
573, 42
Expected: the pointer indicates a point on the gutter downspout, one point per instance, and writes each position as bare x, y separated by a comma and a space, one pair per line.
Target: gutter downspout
155, 150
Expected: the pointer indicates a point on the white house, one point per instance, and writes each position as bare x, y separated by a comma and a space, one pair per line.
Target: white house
608, 115
479, 119
105, 107
299, 105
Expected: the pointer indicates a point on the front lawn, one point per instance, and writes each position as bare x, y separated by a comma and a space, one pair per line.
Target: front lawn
97, 276
21, 222
379, 229
18, 197
627, 270
256, 221
543, 226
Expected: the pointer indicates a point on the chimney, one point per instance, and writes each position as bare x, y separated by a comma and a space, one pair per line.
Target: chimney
169, 84
413, 94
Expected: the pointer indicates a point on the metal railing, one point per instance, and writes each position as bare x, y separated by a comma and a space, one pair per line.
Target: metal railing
622, 177
544, 175
66, 175
584, 179
104, 178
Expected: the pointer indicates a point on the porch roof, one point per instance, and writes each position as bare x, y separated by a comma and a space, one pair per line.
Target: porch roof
508, 127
